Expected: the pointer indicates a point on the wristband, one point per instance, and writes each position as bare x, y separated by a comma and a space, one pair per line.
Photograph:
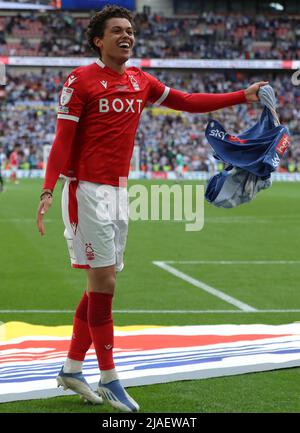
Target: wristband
45, 192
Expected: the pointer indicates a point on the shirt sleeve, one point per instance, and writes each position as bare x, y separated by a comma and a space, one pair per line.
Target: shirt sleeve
161, 94
72, 100
72, 97
158, 91
202, 102
60, 152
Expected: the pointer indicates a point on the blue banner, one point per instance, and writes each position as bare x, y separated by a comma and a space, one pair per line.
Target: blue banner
96, 4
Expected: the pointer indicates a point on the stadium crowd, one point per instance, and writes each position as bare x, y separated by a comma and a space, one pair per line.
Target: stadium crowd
31, 101
209, 36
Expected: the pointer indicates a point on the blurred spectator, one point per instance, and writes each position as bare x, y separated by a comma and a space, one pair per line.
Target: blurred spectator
209, 36
30, 117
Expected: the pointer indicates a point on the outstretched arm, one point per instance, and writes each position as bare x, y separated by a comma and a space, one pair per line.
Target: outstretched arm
206, 102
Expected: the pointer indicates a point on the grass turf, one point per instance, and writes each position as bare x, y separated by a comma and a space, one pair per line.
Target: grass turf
35, 274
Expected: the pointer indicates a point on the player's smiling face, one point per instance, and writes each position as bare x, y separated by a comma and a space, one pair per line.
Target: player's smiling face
117, 41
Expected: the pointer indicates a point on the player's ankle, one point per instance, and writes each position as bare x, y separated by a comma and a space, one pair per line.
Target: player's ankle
108, 376
72, 366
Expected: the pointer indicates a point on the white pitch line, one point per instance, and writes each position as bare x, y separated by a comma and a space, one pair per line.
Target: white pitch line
36, 311
234, 262
154, 311
205, 287
24, 220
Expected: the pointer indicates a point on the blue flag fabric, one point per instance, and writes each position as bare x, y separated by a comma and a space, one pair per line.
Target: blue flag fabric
252, 156
233, 187
257, 150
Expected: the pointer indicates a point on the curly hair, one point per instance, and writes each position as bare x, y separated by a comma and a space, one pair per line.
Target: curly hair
97, 23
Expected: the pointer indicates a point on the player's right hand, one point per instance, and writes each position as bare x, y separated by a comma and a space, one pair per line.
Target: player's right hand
45, 203
251, 93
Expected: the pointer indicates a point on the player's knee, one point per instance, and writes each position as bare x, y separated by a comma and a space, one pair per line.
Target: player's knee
102, 280
109, 284
104, 284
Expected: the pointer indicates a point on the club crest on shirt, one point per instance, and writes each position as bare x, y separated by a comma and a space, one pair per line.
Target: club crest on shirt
66, 95
134, 83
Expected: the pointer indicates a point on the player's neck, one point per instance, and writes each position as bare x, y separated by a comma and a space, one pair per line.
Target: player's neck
116, 67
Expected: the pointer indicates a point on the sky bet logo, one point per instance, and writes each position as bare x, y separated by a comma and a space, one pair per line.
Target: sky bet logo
283, 144
275, 161
217, 133
236, 139
222, 134
280, 149
117, 105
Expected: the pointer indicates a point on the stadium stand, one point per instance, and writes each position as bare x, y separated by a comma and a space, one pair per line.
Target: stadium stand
31, 94
210, 36
32, 99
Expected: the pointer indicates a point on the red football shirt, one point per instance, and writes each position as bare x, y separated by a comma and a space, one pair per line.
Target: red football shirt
98, 116
107, 107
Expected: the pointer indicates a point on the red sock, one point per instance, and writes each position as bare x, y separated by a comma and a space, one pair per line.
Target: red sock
102, 328
81, 339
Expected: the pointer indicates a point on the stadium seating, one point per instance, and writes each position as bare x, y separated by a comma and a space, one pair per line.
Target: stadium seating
207, 36
32, 99
31, 96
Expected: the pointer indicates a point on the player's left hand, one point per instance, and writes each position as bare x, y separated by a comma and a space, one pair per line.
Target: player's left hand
45, 203
251, 91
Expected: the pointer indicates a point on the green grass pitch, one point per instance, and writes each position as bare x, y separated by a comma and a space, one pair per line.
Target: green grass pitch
35, 274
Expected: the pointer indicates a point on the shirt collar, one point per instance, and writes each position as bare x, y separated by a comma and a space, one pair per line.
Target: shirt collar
103, 65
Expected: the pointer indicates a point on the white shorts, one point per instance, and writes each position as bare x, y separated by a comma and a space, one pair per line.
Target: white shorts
96, 224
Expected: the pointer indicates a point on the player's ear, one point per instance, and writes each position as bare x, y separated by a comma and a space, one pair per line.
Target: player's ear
98, 42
